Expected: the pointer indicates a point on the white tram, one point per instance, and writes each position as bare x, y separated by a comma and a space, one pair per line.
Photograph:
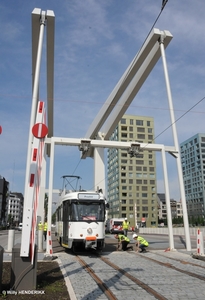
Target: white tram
80, 220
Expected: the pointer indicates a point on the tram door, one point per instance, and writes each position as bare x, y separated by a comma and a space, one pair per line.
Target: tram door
65, 221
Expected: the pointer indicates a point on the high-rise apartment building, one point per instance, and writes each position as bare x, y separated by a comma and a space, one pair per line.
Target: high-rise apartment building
176, 208
15, 208
132, 187
4, 192
193, 167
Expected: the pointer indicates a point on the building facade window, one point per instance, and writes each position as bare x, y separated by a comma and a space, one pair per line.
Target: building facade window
139, 122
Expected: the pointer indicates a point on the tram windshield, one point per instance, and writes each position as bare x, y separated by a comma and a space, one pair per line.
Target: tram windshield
93, 211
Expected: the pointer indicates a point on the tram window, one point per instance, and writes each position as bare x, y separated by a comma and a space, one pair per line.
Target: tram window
87, 211
59, 213
65, 211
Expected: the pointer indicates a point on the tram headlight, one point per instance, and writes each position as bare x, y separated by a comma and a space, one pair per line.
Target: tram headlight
89, 230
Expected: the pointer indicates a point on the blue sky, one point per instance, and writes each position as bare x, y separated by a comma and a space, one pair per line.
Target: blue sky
94, 43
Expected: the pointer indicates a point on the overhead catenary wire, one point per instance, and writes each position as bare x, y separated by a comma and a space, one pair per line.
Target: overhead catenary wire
174, 122
164, 2
179, 118
187, 111
77, 166
70, 182
100, 103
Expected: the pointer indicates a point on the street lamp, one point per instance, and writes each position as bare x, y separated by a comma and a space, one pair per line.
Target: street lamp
136, 226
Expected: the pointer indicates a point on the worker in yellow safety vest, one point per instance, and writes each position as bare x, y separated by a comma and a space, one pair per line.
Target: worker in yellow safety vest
45, 228
125, 226
40, 226
123, 241
141, 243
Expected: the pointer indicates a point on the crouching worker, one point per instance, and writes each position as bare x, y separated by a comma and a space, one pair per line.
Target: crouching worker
141, 243
123, 241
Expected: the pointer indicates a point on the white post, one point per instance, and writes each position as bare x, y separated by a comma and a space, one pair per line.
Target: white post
99, 169
167, 196
50, 195
40, 240
178, 158
202, 243
11, 239
136, 226
40, 212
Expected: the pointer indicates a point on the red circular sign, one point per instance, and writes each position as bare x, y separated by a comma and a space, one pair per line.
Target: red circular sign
40, 130
0, 130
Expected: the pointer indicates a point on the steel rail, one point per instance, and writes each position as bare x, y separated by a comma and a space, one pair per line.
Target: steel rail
99, 282
184, 262
135, 280
169, 265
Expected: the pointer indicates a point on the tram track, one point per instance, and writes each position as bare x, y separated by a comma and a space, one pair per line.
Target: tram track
106, 290
106, 287
181, 261
135, 280
123, 275
169, 265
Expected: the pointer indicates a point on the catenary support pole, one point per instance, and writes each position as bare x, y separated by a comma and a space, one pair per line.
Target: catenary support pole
50, 195
178, 158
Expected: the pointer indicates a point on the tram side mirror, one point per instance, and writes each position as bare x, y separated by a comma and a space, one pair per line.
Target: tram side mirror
107, 205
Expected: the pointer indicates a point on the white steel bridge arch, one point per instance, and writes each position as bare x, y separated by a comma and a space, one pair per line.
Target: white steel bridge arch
97, 136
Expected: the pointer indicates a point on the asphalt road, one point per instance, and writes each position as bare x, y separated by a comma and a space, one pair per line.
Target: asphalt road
156, 242
4, 238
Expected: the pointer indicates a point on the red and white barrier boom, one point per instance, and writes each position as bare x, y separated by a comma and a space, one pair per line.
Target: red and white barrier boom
50, 248
39, 131
200, 242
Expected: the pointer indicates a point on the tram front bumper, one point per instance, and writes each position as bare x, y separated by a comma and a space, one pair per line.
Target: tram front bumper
90, 242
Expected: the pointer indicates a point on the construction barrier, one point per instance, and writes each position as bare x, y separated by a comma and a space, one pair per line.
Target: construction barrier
39, 131
200, 242
50, 248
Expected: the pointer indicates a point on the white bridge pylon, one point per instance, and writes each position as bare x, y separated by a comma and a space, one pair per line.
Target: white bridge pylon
128, 86
97, 136
116, 105
34, 190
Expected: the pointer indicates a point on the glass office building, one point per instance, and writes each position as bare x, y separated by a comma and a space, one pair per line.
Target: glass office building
193, 167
